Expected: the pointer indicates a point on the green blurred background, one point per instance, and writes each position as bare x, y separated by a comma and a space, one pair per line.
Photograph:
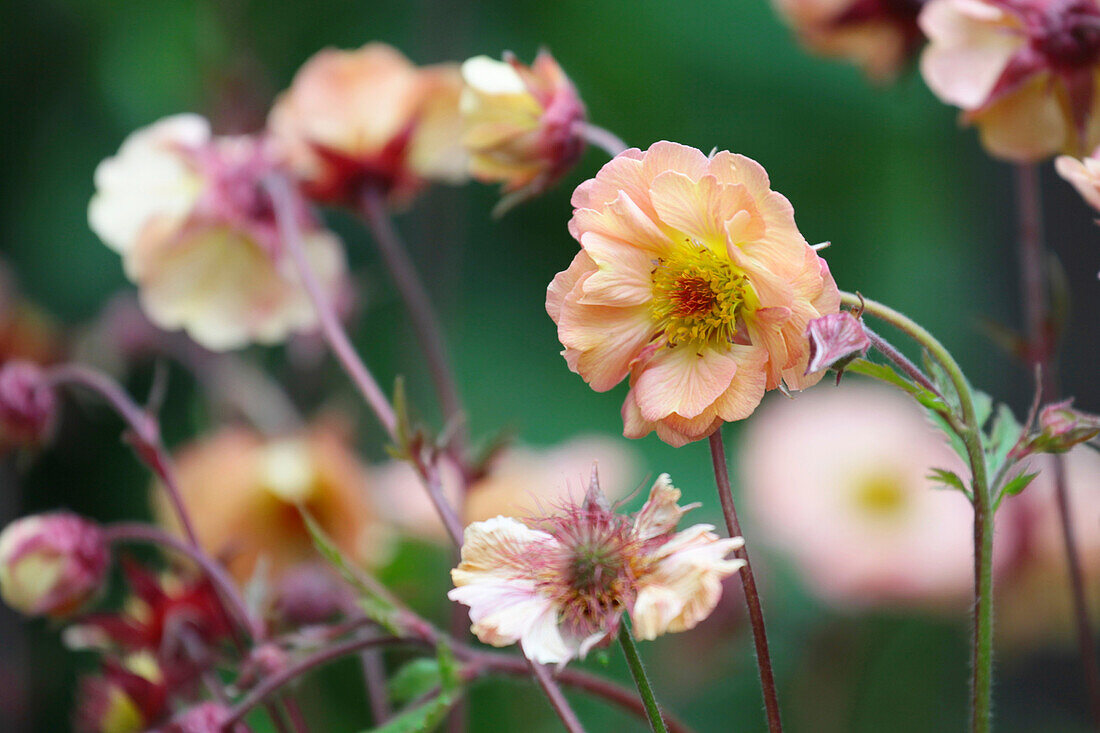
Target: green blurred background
917, 214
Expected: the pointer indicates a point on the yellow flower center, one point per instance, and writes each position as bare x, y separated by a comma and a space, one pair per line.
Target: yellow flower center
880, 495
697, 296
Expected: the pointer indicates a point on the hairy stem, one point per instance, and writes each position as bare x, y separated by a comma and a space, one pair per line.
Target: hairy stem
641, 680
603, 139
557, 699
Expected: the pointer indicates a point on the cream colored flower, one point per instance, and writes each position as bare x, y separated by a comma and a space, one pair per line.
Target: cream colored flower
197, 234
561, 590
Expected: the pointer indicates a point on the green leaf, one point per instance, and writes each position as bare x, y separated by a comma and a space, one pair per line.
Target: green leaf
983, 406
427, 717
948, 479
1015, 486
1003, 436
417, 678
886, 373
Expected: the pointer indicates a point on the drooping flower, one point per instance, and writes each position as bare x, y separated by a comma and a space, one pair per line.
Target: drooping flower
835, 340
693, 280
1025, 72
561, 589
839, 483
245, 491
520, 124
518, 482
51, 564
1083, 175
125, 697
880, 36
28, 405
197, 233
369, 118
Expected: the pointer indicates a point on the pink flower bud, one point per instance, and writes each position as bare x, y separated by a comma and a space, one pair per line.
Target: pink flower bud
310, 594
207, 717
835, 340
1061, 427
27, 403
50, 564
263, 661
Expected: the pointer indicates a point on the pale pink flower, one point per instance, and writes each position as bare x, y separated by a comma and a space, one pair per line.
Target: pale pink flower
1084, 175
880, 36
519, 482
520, 124
1026, 72
693, 280
369, 118
839, 483
561, 590
197, 233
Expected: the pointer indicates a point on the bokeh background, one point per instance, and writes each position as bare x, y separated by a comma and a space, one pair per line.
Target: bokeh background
917, 215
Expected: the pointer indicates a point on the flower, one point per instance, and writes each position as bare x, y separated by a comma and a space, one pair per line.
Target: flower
518, 482
561, 590
245, 492
28, 405
1084, 175
196, 230
835, 340
125, 697
839, 483
1025, 72
878, 35
693, 279
51, 564
206, 717
352, 120
520, 124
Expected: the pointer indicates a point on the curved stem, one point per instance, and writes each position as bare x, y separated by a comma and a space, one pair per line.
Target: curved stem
902, 361
748, 581
601, 138
641, 681
557, 700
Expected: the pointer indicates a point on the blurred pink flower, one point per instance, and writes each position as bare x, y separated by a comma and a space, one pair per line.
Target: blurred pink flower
521, 482
838, 481
880, 36
519, 124
1026, 72
197, 233
561, 590
693, 280
370, 118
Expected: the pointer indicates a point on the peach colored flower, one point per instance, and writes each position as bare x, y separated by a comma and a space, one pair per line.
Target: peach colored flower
370, 118
521, 482
520, 124
838, 482
693, 280
244, 491
197, 234
1026, 72
880, 36
561, 589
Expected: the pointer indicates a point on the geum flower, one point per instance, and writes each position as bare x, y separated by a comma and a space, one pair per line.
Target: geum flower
693, 279
1026, 72
197, 233
561, 589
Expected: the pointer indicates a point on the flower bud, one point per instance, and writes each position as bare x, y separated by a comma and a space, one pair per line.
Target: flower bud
835, 341
520, 124
27, 404
1061, 427
50, 564
310, 594
207, 717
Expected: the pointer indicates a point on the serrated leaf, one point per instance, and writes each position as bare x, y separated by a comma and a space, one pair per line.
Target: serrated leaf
1003, 436
1015, 486
417, 678
426, 717
983, 407
948, 479
888, 374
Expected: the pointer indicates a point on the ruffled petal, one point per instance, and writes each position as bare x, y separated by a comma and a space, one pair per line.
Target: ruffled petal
684, 381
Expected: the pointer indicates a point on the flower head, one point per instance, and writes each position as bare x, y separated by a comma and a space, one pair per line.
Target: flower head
51, 564
197, 233
28, 405
520, 123
693, 280
1025, 72
370, 118
1083, 175
250, 491
561, 589
881, 36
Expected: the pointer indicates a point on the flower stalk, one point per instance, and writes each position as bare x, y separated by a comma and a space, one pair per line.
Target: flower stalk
641, 680
601, 138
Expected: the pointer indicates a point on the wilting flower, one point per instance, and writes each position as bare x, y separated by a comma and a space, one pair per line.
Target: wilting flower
561, 589
244, 493
28, 405
1024, 71
51, 564
839, 482
693, 279
197, 233
835, 340
520, 124
518, 482
369, 118
125, 697
878, 35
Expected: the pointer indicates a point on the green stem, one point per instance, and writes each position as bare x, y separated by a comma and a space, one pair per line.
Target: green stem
637, 671
970, 432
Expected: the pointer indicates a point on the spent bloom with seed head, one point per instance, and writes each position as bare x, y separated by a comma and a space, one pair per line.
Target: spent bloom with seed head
559, 587
191, 217
28, 405
881, 36
520, 124
51, 564
1025, 72
835, 340
369, 118
694, 281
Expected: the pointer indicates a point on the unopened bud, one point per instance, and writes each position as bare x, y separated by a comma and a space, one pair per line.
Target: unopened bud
1061, 427
207, 717
310, 594
835, 341
51, 564
27, 403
